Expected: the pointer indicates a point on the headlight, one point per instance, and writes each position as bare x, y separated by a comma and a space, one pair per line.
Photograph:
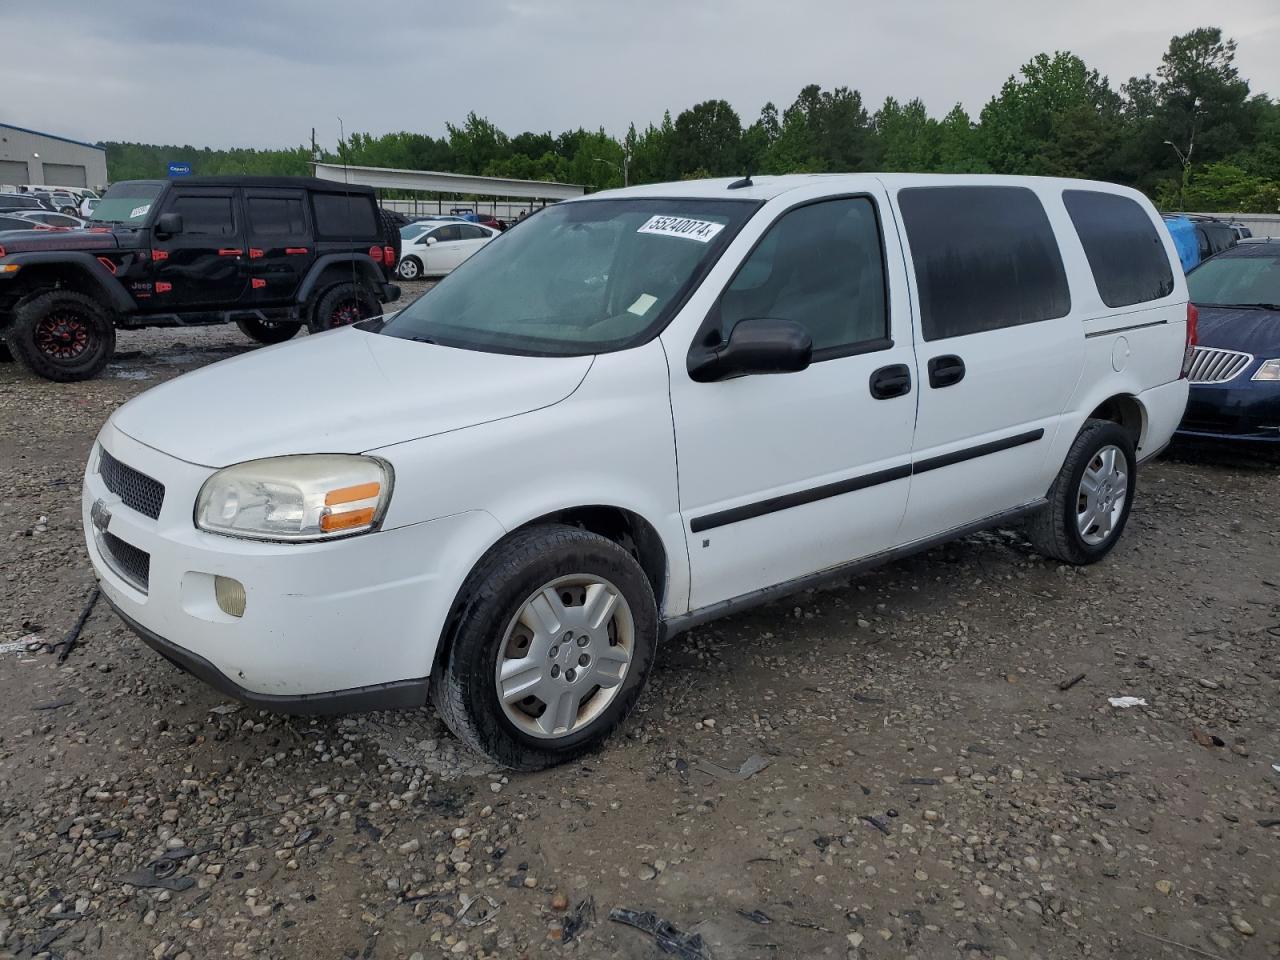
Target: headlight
1270, 370
310, 497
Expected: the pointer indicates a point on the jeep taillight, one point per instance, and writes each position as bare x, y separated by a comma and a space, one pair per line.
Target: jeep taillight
389, 256
375, 254
1193, 338
1, 251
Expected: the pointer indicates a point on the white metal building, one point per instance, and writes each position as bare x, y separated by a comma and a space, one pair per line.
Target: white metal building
495, 193
28, 156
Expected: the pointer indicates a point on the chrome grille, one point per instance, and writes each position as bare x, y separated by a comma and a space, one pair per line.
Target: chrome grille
127, 560
1214, 365
136, 490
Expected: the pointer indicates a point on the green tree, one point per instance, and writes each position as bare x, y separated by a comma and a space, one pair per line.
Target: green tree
708, 136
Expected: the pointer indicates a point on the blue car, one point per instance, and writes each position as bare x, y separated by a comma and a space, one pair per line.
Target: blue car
1235, 371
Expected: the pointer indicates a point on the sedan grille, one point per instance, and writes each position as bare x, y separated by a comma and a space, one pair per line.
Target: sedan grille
136, 490
127, 560
1213, 365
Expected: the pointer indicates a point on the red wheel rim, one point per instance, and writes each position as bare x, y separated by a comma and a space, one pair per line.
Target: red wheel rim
345, 313
62, 335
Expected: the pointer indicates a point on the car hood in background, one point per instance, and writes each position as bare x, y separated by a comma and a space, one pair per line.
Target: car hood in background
347, 391
1252, 331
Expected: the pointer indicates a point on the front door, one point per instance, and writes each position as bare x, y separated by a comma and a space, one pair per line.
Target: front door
279, 244
205, 266
443, 249
784, 475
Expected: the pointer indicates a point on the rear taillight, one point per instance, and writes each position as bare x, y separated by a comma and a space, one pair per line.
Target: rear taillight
1, 251
1193, 338
389, 256
375, 254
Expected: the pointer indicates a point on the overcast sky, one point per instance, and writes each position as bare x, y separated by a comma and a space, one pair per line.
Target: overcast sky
264, 72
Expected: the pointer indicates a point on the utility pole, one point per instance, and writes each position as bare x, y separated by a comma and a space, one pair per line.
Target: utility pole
1185, 158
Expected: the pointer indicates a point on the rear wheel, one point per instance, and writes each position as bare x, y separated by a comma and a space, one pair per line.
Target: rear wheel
551, 649
62, 335
268, 331
410, 268
343, 305
1090, 500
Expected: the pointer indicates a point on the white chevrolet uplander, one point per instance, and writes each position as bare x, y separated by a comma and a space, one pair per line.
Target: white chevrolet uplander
631, 414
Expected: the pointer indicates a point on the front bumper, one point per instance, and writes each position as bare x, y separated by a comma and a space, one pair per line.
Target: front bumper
347, 624
1240, 410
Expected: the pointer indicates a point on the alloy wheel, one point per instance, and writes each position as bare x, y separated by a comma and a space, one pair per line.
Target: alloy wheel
564, 656
1101, 498
62, 335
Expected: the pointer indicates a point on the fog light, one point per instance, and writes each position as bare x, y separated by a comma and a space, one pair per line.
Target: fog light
230, 594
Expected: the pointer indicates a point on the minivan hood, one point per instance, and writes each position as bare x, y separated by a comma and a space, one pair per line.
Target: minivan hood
346, 391
1230, 328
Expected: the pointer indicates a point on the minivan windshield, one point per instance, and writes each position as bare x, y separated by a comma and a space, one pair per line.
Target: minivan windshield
582, 277
127, 202
1244, 279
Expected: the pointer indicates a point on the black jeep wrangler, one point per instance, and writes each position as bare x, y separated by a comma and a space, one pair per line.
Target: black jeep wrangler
270, 253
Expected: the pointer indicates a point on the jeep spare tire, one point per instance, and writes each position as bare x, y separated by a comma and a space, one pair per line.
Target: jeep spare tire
62, 335
343, 305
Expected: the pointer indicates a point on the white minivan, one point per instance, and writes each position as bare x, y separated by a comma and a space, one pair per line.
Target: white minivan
634, 413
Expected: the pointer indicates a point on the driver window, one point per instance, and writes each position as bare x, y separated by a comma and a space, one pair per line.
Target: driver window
821, 266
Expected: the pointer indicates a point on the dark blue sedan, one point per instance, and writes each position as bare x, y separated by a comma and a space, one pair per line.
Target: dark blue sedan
1235, 372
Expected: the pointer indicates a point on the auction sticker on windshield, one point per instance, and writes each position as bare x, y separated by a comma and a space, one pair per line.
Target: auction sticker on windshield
139, 211
701, 230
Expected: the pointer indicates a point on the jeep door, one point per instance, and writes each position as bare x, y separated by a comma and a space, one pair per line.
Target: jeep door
783, 475
279, 244
205, 265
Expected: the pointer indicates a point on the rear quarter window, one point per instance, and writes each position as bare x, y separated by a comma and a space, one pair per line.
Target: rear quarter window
1124, 249
340, 216
985, 258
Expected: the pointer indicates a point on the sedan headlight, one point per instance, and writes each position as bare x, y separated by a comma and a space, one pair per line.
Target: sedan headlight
299, 498
1270, 370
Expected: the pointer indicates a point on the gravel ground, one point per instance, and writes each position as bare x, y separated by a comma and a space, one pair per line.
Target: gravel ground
918, 763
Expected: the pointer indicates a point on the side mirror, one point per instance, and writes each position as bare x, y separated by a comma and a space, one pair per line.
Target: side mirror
430, 240
169, 224
755, 346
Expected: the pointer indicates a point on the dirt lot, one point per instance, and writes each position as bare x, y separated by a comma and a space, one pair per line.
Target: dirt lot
931, 789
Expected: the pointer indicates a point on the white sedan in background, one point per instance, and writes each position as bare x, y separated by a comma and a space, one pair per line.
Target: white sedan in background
440, 247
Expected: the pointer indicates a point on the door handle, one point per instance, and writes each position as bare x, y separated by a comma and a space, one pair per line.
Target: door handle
945, 371
230, 252
891, 381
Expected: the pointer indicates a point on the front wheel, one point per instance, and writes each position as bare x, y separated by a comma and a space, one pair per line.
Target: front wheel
268, 331
343, 305
551, 649
62, 335
1089, 502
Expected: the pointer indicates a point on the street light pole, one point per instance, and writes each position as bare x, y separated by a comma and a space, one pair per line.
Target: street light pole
621, 169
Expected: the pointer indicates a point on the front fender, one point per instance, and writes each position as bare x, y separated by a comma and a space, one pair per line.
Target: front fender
87, 265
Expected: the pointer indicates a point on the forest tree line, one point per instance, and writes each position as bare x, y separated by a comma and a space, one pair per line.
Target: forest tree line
1192, 135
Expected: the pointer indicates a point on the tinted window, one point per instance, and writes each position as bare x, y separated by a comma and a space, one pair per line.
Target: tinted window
1125, 252
444, 234
820, 266
276, 216
985, 258
341, 215
205, 216
474, 233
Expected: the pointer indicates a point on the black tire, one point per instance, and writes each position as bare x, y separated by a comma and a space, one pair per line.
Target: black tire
1054, 530
269, 331
62, 335
463, 687
391, 224
414, 271
341, 306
